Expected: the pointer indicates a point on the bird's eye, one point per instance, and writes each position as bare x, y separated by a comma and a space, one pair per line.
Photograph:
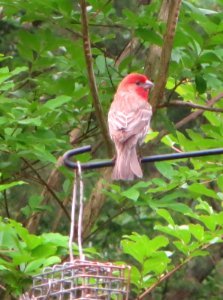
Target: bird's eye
138, 82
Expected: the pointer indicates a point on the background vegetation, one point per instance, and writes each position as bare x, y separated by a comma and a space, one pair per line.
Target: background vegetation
55, 94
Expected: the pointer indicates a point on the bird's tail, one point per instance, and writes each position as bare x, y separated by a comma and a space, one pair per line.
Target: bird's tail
127, 165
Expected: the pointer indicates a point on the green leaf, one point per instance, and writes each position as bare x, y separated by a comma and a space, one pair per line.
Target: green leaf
157, 264
141, 247
180, 232
209, 56
166, 215
56, 239
34, 265
203, 205
43, 154
44, 250
35, 200
57, 102
165, 168
31, 240
201, 189
150, 136
197, 231
180, 207
209, 221
199, 253
131, 193
10, 185
167, 140
100, 62
182, 247
201, 84
220, 182
149, 36
135, 247
51, 261
135, 276
31, 121
19, 70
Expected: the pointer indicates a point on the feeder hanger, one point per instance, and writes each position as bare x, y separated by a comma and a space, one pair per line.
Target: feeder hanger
148, 159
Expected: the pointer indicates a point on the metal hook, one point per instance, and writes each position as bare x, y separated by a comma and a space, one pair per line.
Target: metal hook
109, 163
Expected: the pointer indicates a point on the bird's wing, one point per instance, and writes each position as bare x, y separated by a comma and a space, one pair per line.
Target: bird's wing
124, 124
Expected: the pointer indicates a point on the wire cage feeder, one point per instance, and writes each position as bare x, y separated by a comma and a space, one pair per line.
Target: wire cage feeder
82, 280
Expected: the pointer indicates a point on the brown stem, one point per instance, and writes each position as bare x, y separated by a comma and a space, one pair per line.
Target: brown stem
91, 77
191, 105
160, 82
129, 49
6, 204
182, 81
153, 53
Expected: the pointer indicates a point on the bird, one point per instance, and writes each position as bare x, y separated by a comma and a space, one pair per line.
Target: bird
128, 123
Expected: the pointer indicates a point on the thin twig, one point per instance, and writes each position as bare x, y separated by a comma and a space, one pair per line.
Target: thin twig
109, 74
110, 26
189, 104
91, 77
6, 204
182, 81
47, 187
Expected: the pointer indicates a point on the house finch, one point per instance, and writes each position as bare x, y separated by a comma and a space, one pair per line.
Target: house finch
129, 120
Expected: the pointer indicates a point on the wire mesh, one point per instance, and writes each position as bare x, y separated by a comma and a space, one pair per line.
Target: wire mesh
82, 280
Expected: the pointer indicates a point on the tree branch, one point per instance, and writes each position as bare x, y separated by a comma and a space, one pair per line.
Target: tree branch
91, 77
129, 49
199, 112
161, 78
49, 189
169, 274
152, 60
188, 118
190, 104
161, 279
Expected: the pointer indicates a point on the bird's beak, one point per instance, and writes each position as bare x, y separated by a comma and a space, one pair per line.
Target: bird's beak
147, 85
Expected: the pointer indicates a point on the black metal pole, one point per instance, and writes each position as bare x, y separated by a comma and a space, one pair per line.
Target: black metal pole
147, 159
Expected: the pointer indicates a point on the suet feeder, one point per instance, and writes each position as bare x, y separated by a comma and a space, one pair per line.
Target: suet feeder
82, 280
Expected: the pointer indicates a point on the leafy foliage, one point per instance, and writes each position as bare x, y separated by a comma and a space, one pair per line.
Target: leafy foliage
163, 222
23, 254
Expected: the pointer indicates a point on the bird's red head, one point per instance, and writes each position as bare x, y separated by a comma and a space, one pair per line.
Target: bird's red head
138, 83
